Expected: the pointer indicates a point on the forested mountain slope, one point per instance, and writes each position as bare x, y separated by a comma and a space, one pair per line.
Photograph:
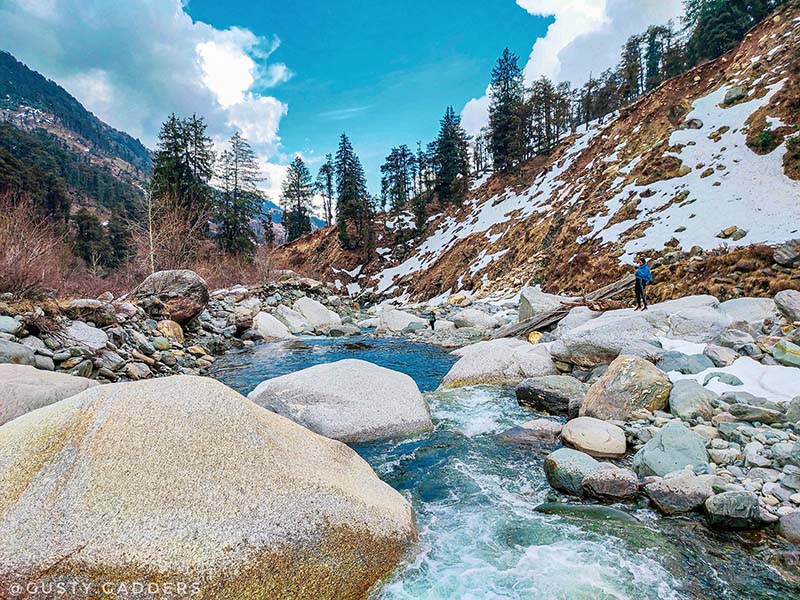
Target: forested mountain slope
59, 154
702, 172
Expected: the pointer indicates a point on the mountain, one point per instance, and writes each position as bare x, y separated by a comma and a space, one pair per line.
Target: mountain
702, 175
31, 101
56, 152
268, 207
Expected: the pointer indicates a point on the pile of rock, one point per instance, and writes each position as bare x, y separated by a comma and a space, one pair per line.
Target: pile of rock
170, 324
693, 405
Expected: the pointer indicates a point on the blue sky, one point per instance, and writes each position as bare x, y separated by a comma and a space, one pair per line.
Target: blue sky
292, 76
383, 72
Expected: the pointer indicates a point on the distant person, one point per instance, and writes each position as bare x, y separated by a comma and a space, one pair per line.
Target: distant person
643, 277
432, 321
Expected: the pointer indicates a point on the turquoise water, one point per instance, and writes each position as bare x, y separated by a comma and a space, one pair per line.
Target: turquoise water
474, 498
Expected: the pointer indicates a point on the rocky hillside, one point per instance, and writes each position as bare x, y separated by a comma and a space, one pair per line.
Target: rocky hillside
702, 175
49, 141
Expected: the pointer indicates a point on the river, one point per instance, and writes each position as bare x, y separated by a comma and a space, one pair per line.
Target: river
474, 497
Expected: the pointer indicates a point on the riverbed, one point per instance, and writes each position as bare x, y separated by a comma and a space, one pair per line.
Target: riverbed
474, 496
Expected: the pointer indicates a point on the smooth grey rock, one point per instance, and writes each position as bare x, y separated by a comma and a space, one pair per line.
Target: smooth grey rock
752, 414
473, 317
9, 325
728, 378
533, 302
18, 354
349, 400
611, 484
734, 339
87, 309
671, 449
689, 400
316, 314
271, 328
82, 334
688, 364
793, 410
720, 355
498, 362
788, 303
542, 432
343, 330
733, 510
786, 353
586, 511
24, 388
788, 527
751, 310
594, 437
294, 321
734, 94
551, 393
565, 469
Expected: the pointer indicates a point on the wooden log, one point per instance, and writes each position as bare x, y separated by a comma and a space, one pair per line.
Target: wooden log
554, 315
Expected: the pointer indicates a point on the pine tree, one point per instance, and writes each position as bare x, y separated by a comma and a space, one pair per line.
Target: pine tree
397, 178
183, 166
508, 142
90, 241
452, 159
296, 196
630, 69
239, 201
324, 186
120, 238
353, 201
269, 230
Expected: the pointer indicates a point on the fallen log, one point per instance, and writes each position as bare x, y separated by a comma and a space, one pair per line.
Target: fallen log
554, 315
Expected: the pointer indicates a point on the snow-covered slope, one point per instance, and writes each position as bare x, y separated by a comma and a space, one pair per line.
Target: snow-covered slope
710, 161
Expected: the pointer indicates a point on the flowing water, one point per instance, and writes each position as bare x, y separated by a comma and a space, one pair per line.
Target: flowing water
474, 497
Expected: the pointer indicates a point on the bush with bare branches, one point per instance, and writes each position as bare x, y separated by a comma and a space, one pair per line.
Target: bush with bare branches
32, 251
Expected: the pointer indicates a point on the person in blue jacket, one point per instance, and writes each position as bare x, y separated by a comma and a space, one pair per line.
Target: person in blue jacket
643, 277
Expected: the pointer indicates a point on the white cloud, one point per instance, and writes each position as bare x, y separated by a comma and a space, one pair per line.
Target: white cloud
475, 114
134, 62
585, 36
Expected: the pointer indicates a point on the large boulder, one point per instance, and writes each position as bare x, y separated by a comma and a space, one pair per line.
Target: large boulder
750, 310
688, 364
683, 492
17, 354
553, 394
349, 400
472, 317
184, 478
789, 527
24, 388
271, 328
565, 470
295, 321
629, 384
673, 448
601, 339
183, 293
733, 510
498, 362
533, 301
594, 437
392, 320
689, 400
788, 303
317, 315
